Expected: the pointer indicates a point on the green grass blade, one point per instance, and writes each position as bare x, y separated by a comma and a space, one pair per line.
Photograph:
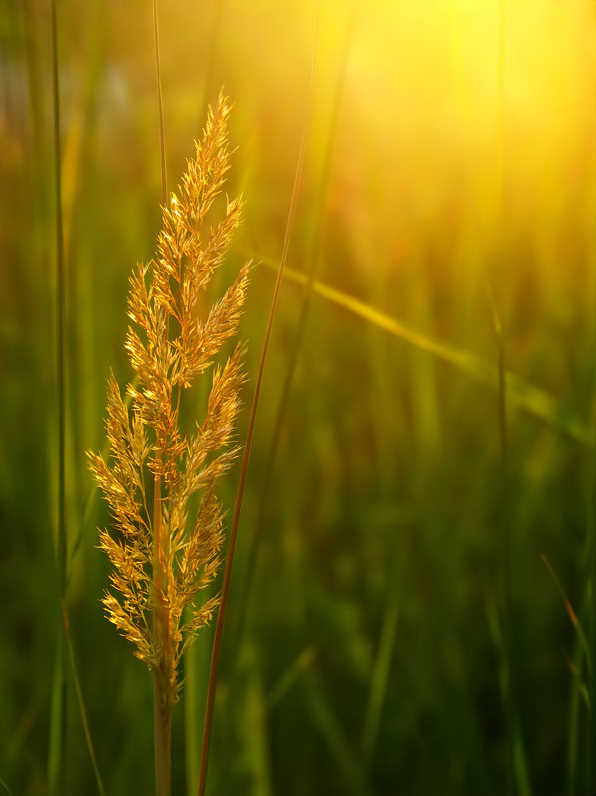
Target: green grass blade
287, 680
256, 743
331, 732
196, 674
55, 750
573, 724
520, 773
312, 257
524, 396
577, 625
192, 737
380, 678
81, 702
58, 709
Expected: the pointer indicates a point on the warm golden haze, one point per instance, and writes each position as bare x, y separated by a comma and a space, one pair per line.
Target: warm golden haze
411, 608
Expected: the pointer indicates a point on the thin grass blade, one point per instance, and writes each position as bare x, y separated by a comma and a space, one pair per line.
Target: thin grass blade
213, 671
291, 676
524, 396
81, 702
313, 253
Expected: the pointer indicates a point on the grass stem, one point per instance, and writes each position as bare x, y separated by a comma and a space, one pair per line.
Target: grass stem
81, 701
219, 627
58, 721
532, 400
312, 261
162, 711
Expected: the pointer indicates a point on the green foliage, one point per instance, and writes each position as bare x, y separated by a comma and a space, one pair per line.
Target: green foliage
375, 652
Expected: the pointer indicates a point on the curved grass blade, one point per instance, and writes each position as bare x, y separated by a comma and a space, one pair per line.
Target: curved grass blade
380, 677
219, 627
313, 252
162, 721
574, 619
81, 701
519, 768
57, 740
332, 733
287, 680
530, 399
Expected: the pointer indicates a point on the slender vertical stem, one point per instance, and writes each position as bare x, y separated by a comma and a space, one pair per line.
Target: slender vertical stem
60, 299
57, 765
502, 406
312, 260
81, 701
591, 534
505, 548
161, 699
590, 508
519, 780
163, 737
219, 627
162, 713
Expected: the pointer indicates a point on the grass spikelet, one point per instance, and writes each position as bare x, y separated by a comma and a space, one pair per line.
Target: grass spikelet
164, 557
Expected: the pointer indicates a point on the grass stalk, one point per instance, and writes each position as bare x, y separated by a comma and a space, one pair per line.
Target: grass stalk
503, 518
590, 508
591, 531
312, 258
182, 560
162, 711
519, 775
60, 314
332, 734
196, 670
58, 710
81, 382
162, 715
579, 692
163, 740
380, 677
591, 525
196, 673
505, 537
221, 613
591, 577
532, 400
81, 702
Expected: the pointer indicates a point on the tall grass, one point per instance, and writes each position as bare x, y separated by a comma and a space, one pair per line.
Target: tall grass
166, 555
527, 397
219, 627
311, 259
57, 754
398, 401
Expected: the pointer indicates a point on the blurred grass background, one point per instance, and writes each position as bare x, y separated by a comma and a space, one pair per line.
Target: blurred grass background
399, 632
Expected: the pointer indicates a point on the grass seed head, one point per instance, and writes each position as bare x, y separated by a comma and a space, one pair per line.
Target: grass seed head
162, 559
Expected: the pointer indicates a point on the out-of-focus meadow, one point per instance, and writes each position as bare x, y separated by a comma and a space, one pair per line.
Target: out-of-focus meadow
417, 618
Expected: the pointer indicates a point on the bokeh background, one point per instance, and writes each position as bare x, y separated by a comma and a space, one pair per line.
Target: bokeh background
411, 609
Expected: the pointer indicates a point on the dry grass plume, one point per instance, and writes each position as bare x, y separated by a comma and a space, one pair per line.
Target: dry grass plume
165, 546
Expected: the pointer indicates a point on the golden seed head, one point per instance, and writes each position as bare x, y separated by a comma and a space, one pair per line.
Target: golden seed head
163, 558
